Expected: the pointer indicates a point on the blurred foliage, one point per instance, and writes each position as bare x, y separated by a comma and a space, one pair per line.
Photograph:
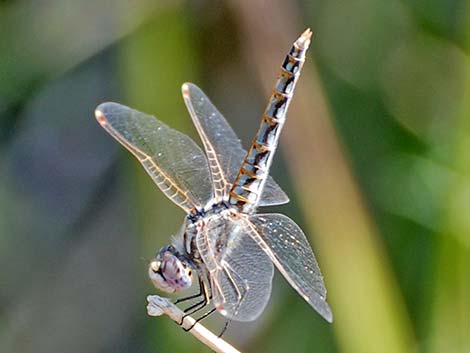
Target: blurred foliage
78, 213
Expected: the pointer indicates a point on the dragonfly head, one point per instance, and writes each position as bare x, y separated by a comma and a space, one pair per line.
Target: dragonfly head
169, 272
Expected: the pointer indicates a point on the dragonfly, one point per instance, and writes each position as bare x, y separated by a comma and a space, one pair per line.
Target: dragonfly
224, 245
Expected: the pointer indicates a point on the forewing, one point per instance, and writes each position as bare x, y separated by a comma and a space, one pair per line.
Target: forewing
174, 161
223, 148
288, 248
242, 277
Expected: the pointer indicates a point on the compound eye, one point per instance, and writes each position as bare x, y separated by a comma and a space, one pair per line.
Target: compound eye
155, 266
188, 272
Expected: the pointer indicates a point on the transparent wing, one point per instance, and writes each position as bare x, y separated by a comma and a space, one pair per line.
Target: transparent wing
241, 276
288, 248
223, 148
272, 194
174, 161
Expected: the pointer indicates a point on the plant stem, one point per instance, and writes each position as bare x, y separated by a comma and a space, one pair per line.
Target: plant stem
158, 306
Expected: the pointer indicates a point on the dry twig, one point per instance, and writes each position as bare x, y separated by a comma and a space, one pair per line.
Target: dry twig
158, 306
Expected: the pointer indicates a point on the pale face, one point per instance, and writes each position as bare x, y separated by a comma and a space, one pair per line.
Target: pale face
168, 272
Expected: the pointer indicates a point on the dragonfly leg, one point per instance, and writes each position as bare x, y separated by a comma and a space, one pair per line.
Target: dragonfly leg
202, 317
225, 328
195, 307
200, 294
240, 293
206, 297
227, 323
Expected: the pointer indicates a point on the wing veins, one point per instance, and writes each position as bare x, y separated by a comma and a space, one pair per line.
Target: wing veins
209, 148
144, 157
259, 240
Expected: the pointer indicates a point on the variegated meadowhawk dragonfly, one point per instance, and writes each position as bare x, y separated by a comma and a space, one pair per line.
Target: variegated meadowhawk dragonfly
230, 247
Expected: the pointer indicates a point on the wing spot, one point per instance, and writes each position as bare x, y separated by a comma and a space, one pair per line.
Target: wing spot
185, 90
100, 117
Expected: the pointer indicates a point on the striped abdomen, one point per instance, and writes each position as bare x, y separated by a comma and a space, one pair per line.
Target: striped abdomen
248, 186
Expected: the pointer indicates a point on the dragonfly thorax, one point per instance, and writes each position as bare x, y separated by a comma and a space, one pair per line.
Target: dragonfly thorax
212, 216
170, 271
210, 209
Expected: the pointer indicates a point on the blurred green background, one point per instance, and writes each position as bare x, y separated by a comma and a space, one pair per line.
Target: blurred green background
375, 157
